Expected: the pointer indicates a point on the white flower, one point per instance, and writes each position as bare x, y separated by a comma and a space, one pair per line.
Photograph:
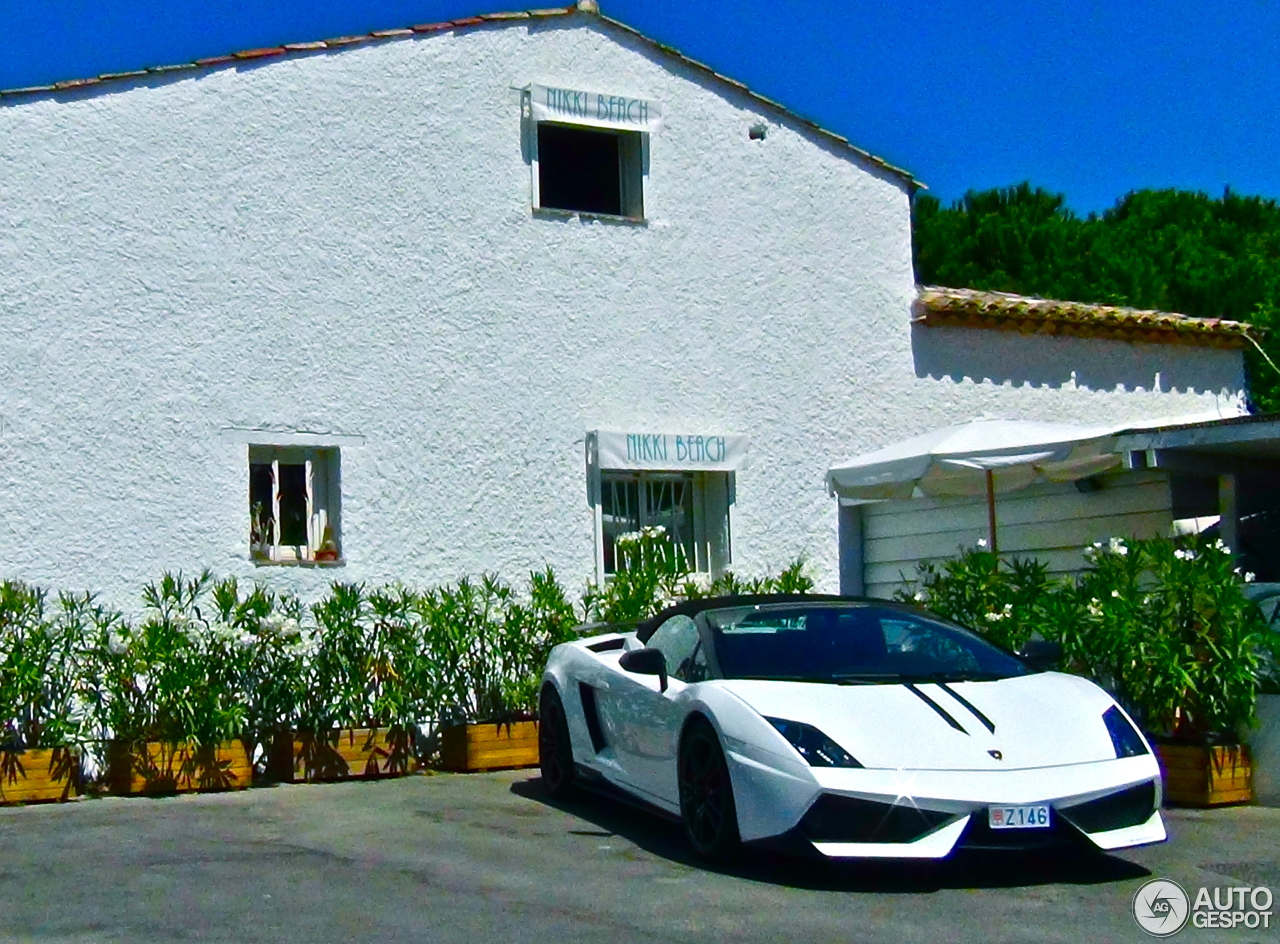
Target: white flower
1008, 609
627, 537
995, 617
920, 596
1116, 594
982, 542
1181, 554
653, 531
1094, 609
290, 628
1250, 577
1117, 546
116, 644
305, 645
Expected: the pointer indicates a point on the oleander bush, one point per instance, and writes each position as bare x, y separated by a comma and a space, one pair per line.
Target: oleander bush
1162, 623
653, 574
43, 703
210, 660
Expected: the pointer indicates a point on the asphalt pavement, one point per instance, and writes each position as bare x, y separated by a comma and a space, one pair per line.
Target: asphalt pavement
488, 858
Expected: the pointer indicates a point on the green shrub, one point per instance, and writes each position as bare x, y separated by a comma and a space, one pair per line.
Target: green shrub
181, 675
42, 700
1161, 623
653, 574
210, 661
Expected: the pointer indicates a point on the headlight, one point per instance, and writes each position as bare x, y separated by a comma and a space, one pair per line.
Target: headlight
1126, 741
816, 748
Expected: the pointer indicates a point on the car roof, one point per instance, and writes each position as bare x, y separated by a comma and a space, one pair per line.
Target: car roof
701, 604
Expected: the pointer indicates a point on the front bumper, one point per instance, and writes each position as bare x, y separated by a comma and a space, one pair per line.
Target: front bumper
867, 813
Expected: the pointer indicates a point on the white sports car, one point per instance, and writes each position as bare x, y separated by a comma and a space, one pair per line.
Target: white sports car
858, 728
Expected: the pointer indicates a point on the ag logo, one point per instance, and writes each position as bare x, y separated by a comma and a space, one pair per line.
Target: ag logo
1161, 907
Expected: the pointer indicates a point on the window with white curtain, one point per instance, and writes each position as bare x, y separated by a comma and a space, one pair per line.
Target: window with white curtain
293, 504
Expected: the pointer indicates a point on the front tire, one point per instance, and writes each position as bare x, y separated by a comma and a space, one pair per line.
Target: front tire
555, 751
706, 794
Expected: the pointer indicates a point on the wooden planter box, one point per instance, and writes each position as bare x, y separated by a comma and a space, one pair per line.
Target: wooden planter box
1202, 775
39, 775
472, 747
298, 757
164, 767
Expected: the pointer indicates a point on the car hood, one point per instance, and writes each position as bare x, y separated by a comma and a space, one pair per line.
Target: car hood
1040, 720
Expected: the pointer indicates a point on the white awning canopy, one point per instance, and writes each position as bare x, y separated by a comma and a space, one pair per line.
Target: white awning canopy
954, 461
686, 451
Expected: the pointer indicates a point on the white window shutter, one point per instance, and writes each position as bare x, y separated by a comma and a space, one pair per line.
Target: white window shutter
313, 538
275, 509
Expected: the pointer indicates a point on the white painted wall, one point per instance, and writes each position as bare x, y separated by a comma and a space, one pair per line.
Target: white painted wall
342, 243
1053, 522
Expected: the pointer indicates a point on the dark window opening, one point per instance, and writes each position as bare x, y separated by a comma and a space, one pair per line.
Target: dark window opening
261, 521
587, 170
293, 504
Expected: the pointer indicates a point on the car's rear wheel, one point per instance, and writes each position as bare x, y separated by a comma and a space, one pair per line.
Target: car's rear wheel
706, 794
555, 752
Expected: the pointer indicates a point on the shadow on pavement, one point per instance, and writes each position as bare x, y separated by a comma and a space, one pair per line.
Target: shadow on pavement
663, 837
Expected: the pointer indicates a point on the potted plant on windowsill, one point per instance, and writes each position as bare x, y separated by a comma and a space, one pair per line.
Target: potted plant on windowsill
328, 549
41, 709
170, 694
260, 531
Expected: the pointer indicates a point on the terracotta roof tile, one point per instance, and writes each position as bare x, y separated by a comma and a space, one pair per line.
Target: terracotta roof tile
1001, 311
260, 53
589, 7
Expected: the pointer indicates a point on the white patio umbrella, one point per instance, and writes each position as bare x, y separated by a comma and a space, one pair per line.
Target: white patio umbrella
988, 455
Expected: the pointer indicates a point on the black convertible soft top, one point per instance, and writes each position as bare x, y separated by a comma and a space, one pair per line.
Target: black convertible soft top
693, 607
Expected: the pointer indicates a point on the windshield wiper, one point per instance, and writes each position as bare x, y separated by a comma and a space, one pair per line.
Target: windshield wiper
942, 677
905, 678
864, 678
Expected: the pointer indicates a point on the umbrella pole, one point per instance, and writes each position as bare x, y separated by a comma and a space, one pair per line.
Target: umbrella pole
991, 510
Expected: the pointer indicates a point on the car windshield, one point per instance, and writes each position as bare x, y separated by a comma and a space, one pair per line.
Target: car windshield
851, 644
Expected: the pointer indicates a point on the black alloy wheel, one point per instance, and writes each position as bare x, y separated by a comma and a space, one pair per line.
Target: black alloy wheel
706, 794
555, 752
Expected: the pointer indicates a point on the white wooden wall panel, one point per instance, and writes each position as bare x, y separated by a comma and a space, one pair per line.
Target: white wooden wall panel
1052, 522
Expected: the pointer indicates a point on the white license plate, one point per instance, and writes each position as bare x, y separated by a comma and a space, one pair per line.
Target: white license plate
1019, 817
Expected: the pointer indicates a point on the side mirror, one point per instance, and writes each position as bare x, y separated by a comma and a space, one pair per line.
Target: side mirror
1042, 653
646, 662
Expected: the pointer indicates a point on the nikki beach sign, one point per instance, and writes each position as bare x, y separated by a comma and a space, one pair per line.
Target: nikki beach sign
574, 106
670, 451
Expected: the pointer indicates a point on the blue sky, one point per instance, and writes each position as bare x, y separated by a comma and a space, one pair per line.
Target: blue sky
1084, 97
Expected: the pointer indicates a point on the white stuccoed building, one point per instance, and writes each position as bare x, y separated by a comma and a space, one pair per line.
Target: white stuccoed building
473, 297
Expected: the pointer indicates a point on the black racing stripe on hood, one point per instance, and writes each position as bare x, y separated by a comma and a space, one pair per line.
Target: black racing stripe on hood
935, 706
990, 725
